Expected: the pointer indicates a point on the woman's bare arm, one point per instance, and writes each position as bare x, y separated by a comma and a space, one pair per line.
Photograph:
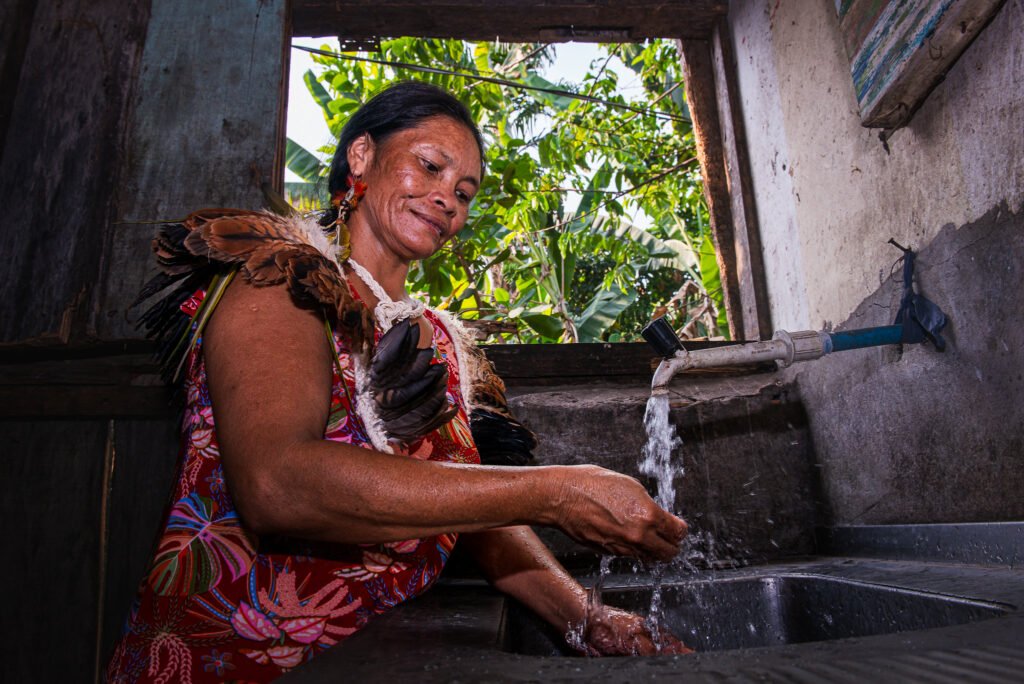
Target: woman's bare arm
269, 372
519, 564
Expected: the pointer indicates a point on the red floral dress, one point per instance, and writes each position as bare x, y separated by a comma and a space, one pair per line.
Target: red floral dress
219, 604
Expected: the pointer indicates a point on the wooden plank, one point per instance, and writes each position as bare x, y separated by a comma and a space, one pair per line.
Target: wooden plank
901, 49
142, 474
107, 386
551, 21
51, 473
133, 370
750, 274
206, 128
60, 162
15, 26
534, 363
568, 364
699, 76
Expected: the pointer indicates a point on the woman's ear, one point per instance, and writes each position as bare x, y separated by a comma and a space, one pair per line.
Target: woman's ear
360, 154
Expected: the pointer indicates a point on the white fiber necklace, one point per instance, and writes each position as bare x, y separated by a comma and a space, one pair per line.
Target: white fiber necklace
388, 311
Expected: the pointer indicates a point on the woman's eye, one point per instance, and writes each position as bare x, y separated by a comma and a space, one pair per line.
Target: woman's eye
430, 166
463, 197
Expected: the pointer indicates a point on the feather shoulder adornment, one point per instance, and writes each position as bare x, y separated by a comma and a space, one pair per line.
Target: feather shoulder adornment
500, 438
208, 247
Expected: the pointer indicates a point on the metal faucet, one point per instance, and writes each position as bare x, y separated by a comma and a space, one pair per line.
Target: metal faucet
785, 348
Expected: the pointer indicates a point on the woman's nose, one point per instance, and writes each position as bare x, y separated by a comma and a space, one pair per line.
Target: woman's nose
445, 199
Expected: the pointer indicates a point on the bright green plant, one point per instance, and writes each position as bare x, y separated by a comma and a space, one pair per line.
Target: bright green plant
634, 245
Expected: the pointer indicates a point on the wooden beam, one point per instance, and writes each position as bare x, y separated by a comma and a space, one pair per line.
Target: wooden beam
749, 265
126, 385
129, 386
206, 130
701, 96
510, 20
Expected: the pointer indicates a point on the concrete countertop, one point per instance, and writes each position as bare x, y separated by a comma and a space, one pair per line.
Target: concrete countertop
452, 634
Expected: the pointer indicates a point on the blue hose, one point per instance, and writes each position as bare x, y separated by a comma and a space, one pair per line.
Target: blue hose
864, 337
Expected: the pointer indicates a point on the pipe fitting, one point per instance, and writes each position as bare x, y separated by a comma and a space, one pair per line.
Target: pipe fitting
803, 345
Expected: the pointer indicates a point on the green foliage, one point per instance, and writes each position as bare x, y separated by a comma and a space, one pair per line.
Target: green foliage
590, 219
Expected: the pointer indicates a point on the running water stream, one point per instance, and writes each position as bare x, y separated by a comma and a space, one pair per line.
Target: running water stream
656, 461
656, 458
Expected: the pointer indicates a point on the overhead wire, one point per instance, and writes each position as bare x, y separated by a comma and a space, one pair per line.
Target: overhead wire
493, 79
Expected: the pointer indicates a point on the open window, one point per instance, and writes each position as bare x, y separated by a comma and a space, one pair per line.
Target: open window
593, 212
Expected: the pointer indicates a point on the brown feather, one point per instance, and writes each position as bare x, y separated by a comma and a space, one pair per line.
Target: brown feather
271, 251
488, 390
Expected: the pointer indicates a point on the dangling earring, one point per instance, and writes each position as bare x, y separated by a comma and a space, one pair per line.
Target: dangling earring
345, 201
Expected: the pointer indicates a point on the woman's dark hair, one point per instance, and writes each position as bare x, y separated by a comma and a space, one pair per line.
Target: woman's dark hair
399, 107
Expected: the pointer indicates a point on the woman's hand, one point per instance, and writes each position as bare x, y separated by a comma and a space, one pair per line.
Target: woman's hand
516, 562
613, 512
612, 632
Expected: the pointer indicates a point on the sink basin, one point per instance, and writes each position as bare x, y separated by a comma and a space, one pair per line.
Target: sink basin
771, 610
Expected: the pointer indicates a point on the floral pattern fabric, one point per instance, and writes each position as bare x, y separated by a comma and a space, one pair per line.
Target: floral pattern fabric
219, 604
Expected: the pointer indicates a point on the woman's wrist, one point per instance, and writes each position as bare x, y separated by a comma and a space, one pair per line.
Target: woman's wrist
545, 489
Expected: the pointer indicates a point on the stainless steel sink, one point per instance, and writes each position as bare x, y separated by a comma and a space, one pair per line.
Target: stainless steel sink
771, 610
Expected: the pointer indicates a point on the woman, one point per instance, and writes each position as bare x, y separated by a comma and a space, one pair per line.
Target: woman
326, 476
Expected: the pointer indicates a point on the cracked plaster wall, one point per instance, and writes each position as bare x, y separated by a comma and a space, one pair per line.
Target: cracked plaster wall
911, 436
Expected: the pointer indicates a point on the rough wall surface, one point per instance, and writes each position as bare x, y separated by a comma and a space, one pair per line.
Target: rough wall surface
915, 436
747, 484
922, 436
829, 196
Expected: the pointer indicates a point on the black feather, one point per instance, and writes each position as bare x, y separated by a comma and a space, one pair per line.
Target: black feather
396, 400
392, 354
501, 440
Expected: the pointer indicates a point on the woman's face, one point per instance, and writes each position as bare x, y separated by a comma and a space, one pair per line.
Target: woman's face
420, 182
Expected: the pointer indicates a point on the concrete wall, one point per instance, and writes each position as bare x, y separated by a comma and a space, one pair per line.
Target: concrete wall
901, 437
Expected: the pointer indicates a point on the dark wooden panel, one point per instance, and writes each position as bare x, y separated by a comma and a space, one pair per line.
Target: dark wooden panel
205, 130
60, 162
519, 364
52, 474
127, 385
552, 21
15, 26
699, 75
144, 458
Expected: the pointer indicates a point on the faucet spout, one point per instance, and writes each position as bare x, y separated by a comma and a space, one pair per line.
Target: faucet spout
785, 348
666, 370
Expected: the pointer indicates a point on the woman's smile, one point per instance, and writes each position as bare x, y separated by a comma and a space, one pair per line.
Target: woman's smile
441, 226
